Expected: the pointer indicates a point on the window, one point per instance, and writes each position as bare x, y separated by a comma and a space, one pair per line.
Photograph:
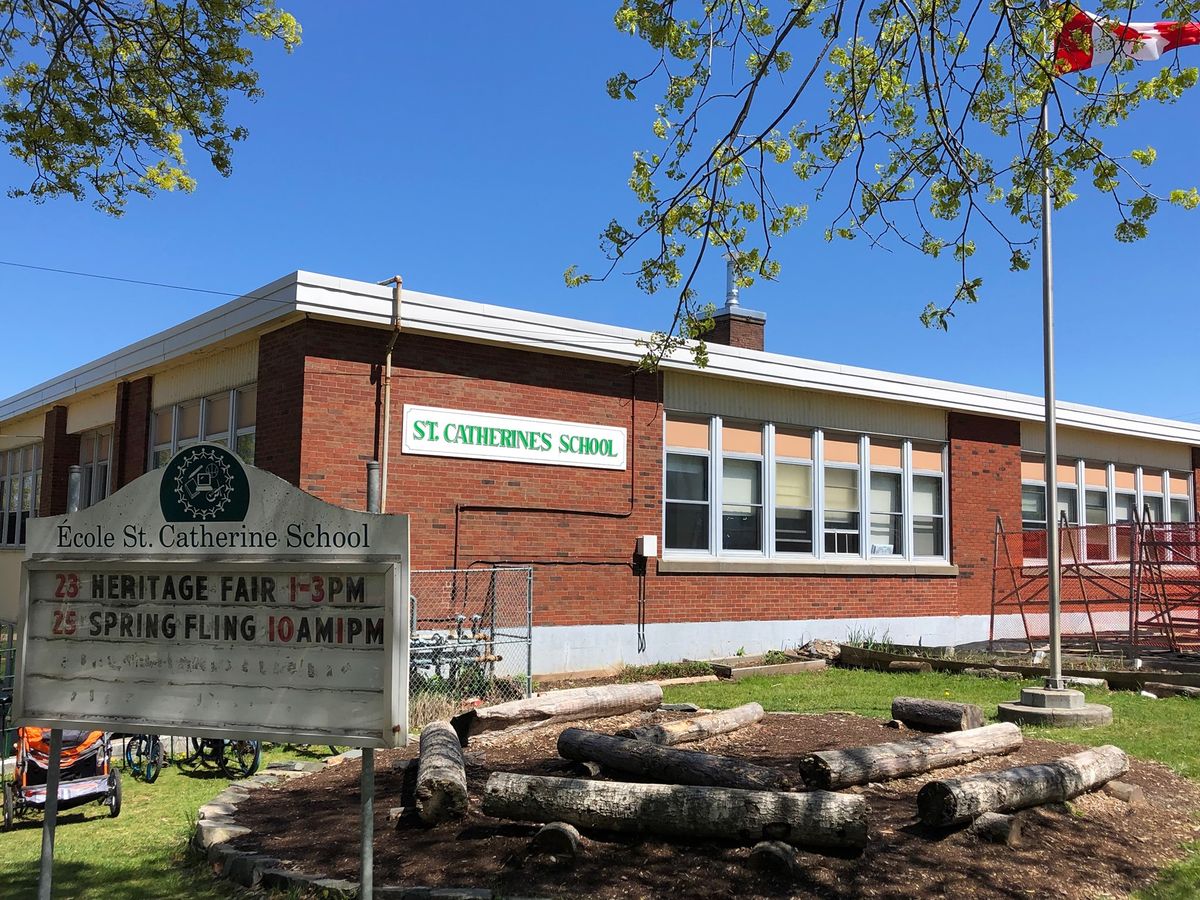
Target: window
1180, 503
227, 418
20, 489
1152, 494
1033, 507
741, 488
775, 491
841, 495
687, 483
928, 505
793, 493
94, 450
887, 505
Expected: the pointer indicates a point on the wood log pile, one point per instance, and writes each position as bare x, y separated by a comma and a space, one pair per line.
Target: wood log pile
688, 794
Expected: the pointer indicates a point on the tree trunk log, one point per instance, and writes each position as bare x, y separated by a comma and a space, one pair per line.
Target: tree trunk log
817, 819
664, 765
998, 828
1171, 690
441, 791
687, 730
558, 706
942, 803
834, 769
557, 839
936, 715
909, 665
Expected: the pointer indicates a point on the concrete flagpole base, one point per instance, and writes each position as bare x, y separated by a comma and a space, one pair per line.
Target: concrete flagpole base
1044, 706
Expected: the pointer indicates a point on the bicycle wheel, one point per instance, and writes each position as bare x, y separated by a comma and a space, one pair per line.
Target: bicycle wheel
241, 758
154, 759
136, 752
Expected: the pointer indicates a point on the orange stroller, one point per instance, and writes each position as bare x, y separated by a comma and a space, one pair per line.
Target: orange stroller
86, 773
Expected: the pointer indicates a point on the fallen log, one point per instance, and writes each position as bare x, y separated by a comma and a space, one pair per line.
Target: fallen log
665, 765
936, 715
1171, 690
816, 819
948, 802
557, 839
775, 857
697, 729
910, 665
833, 769
558, 706
989, 672
998, 828
441, 791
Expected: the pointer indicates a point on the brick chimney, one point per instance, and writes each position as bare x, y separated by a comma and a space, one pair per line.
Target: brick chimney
734, 325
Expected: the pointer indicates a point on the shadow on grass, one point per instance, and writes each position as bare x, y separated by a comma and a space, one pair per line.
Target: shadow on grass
72, 879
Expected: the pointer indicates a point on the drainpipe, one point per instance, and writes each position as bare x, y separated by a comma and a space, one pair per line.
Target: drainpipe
397, 284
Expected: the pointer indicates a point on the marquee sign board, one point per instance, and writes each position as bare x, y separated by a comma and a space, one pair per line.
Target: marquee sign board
213, 599
431, 431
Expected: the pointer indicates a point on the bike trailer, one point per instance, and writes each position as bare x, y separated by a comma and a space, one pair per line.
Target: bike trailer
86, 772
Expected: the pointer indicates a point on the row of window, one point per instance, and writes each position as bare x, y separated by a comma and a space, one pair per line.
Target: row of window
766, 490
20, 488
1111, 493
227, 418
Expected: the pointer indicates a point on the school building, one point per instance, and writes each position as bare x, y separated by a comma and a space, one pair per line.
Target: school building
755, 503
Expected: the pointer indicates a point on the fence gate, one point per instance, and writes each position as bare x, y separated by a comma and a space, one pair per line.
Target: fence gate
472, 632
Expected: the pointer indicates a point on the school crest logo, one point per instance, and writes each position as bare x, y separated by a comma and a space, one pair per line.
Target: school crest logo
204, 483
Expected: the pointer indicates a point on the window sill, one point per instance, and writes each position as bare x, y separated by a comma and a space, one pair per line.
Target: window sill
679, 565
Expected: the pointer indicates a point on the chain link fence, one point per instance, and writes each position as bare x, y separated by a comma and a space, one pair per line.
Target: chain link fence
472, 635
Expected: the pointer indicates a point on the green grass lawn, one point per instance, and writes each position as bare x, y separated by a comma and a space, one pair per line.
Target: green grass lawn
1164, 730
141, 853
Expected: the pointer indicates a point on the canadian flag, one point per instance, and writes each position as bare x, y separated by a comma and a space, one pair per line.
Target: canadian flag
1087, 40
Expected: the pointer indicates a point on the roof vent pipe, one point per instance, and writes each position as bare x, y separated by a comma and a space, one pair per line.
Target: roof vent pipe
731, 288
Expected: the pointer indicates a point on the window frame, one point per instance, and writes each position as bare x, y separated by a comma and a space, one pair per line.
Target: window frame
230, 434
13, 471
770, 460
95, 491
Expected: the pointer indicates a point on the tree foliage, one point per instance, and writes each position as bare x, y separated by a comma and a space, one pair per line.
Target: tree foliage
916, 122
101, 95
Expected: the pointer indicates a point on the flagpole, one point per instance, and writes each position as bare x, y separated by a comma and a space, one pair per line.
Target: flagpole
1054, 680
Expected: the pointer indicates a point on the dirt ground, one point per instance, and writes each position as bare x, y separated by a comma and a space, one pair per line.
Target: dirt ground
1096, 846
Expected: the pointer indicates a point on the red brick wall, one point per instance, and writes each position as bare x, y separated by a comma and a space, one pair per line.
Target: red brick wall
985, 482
131, 431
60, 451
279, 416
576, 526
737, 331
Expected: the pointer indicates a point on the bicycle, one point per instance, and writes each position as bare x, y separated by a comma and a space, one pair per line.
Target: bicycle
233, 758
144, 756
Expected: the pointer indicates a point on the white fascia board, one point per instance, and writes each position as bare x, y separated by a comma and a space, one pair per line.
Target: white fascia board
244, 314
336, 298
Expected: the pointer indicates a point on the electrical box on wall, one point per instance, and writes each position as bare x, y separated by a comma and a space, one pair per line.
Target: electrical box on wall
647, 546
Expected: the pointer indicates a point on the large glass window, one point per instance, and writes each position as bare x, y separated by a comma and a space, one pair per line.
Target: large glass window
793, 492
94, 450
741, 507
779, 491
227, 418
20, 491
887, 498
841, 495
741, 487
687, 486
1033, 507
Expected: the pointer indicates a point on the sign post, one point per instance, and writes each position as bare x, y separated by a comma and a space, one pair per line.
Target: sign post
211, 599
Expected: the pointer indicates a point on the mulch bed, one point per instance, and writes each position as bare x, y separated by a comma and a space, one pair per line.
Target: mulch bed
1094, 846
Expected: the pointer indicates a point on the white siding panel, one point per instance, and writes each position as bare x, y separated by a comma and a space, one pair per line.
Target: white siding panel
91, 412
1075, 443
763, 403
205, 375
25, 430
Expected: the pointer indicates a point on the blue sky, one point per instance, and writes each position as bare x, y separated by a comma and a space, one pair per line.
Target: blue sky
476, 153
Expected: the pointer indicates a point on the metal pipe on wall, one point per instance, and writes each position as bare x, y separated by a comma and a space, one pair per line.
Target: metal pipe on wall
397, 284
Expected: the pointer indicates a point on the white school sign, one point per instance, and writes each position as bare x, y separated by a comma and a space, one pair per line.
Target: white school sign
432, 431
213, 599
